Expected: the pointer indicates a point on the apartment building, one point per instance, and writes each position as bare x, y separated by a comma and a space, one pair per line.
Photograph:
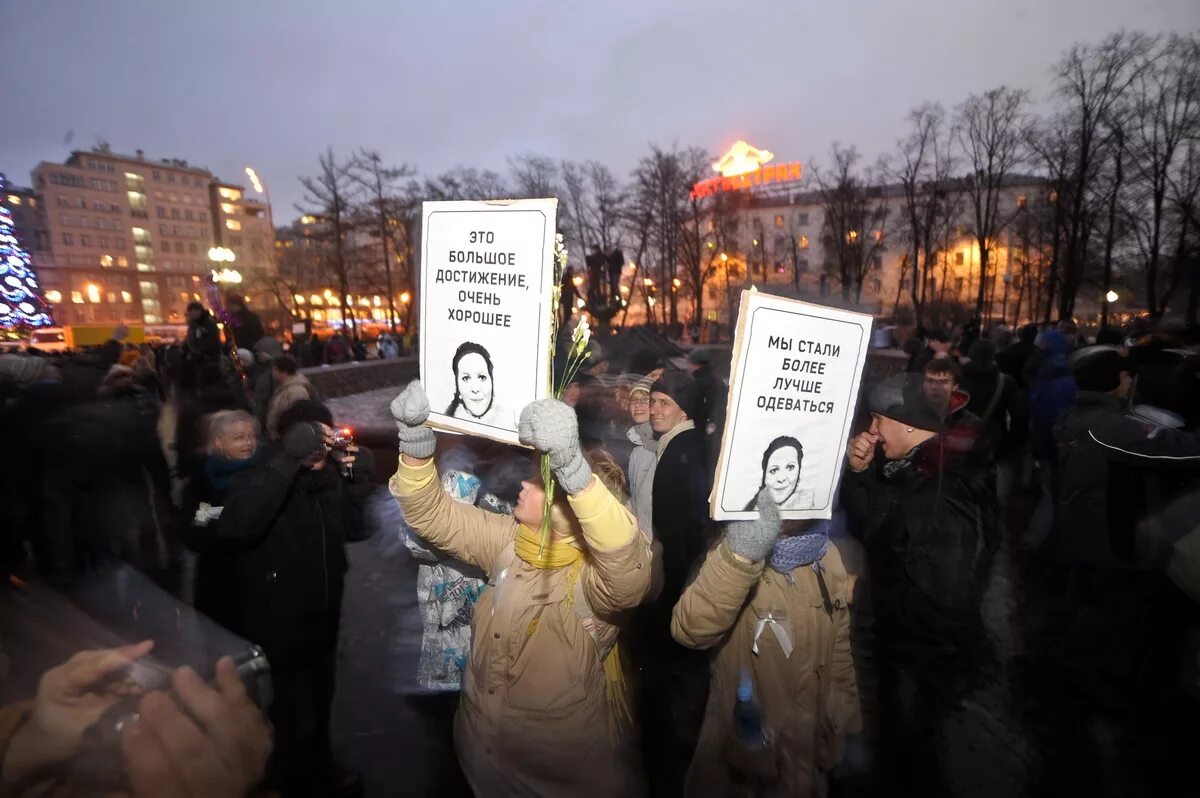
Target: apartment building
128, 237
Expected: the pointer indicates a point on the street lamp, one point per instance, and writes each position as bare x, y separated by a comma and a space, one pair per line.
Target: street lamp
1111, 297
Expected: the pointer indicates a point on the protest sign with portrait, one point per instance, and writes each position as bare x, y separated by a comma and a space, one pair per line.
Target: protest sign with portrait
486, 280
794, 385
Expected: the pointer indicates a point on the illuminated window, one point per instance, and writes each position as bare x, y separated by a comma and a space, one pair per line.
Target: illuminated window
231, 194
112, 297
233, 224
183, 297
802, 242
1021, 201
77, 297
228, 209
779, 220
93, 293
54, 296
126, 296
13, 199
106, 261
123, 261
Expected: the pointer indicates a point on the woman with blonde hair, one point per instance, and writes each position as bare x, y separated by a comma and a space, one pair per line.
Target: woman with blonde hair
543, 708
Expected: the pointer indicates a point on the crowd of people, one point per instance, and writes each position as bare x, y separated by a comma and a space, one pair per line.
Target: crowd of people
611, 638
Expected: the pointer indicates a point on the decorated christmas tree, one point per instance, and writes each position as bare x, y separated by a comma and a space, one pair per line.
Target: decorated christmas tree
21, 300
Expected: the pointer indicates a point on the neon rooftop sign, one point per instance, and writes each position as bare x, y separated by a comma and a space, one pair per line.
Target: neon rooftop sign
746, 166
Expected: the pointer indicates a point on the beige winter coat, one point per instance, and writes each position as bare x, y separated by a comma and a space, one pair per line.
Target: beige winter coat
809, 699
534, 716
286, 395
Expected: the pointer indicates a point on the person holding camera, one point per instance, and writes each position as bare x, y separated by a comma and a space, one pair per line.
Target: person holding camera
287, 521
201, 740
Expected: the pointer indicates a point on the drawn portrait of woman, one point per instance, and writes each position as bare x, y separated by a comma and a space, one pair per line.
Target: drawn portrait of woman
475, 387
781, 475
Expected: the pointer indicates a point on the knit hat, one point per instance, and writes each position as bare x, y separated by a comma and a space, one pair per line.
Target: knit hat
1098, 368
269, 347
901, 398
680, 387
304, 410
641, 386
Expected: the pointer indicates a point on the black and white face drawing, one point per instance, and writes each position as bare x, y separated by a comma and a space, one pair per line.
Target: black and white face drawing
474, 386
782, 474
781, 464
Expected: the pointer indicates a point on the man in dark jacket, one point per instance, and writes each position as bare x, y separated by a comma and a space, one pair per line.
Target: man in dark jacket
995, 399
203, 345
676, 679
247, 327
925, 516
289, 518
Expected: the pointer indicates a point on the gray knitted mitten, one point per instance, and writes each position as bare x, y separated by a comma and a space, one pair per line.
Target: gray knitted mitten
754, 539
550, 426
411, 409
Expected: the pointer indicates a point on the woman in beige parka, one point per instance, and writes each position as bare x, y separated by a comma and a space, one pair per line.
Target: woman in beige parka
542, 709
776, 610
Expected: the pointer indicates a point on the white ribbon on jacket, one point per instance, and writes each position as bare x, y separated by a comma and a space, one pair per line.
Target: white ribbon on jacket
780, 634
205, 513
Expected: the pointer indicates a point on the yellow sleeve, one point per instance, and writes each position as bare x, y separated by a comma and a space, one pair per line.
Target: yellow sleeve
620, 559
472, 535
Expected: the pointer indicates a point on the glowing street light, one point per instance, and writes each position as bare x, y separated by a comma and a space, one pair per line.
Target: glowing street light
577, 281
724, 258
299, 299
405, 298
1111, 297
221, 255
648, 282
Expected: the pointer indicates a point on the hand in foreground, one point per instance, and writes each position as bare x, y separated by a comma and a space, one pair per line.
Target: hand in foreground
861, 451
411, 409
550, 426
70, 698
753, 540
218, 747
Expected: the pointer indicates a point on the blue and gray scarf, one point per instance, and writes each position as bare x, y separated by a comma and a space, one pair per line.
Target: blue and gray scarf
221, 470
790, 553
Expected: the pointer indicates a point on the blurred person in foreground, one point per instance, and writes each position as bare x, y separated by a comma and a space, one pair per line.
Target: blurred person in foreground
247, 328
284, 525
775, 606
925, 511
202, 347
643, 456
543, 708
204, 741
995, 399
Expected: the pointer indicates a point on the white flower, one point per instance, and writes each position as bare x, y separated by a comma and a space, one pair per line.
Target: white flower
582, 334
558, 239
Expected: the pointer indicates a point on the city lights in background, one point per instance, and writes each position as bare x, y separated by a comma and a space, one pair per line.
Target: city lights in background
1111, 297
221, 255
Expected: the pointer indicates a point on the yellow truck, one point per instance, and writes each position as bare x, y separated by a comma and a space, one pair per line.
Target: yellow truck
80, 336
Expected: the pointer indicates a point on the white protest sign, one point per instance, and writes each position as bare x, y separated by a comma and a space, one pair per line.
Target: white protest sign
486, 279
793, 388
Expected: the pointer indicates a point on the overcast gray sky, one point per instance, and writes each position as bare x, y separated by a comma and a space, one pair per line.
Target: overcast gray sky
270, 83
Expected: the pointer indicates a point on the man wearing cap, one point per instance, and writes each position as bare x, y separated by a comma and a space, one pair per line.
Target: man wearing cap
925, 510
676, 678
644, 455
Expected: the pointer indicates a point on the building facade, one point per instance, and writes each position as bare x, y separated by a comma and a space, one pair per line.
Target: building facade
128, 238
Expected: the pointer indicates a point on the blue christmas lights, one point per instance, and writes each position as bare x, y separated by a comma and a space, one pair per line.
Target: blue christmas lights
21, 300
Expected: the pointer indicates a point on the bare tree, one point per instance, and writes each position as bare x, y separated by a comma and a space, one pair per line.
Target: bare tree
533, 176
923, 172
1091, 81
662, 182
1165, 125
329, 198
856, 215
708, 232
382, 211
463, 183
991, 130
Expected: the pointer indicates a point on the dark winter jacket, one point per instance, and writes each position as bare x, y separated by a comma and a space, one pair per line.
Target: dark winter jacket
999, 403
926, 527
247, 328
1113, 469
1052, 393
203, 340
680, 510
286, 528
